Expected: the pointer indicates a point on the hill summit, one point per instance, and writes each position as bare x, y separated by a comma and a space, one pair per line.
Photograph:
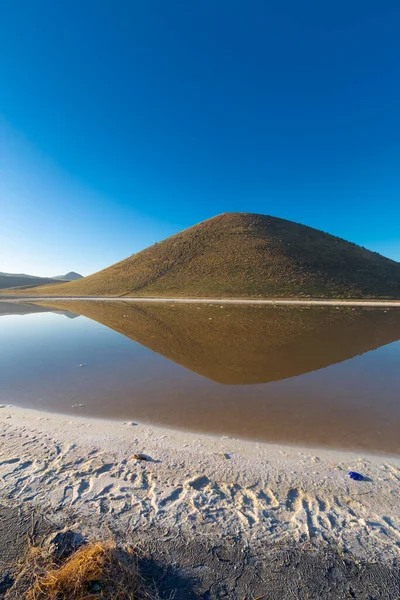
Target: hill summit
70, 276
244, 255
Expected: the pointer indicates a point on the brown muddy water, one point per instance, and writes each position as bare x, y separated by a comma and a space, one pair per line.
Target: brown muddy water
320, 376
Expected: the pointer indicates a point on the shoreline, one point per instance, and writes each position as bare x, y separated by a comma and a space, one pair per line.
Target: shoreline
198, 485
176, 432
271, 301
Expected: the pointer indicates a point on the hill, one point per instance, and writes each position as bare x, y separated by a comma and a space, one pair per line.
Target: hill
244, 255
11, 280
71, 276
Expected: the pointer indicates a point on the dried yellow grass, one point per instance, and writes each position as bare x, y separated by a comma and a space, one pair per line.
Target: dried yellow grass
113, 571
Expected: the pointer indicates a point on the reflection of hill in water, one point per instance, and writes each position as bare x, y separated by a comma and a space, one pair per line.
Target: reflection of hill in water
237, 344
15, 308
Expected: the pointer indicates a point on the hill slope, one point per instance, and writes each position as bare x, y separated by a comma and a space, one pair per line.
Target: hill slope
245, 255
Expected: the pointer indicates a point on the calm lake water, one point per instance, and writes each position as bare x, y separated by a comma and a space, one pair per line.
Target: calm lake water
320, 376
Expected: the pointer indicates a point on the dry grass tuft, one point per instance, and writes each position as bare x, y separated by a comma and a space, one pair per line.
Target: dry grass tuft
96, 571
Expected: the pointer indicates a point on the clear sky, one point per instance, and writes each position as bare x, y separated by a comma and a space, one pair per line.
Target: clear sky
123, 122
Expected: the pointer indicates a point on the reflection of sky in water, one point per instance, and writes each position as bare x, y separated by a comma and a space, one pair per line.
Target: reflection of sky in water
352, 404
52, 339
40, 356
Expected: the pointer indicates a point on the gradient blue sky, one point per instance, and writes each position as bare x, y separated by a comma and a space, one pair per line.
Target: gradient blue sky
123, 122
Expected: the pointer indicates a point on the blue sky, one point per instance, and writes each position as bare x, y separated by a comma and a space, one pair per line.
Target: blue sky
124, 122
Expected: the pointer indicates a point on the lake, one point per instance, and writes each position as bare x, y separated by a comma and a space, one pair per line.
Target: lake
320, 376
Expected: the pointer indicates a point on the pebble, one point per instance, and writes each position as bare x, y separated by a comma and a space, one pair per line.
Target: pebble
140, 457
95, 587
356, 476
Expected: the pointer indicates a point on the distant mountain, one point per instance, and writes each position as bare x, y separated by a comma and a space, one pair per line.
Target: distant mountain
243, 255
18, 275
11, 280
71, 276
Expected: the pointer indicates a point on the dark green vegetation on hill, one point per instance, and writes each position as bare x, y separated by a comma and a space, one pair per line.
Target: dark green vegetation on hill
240, 344
244, 255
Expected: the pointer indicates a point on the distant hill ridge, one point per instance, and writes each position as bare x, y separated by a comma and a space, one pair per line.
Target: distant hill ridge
244, 255
11, 280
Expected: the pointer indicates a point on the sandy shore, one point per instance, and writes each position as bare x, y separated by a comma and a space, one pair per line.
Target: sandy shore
262, 301
211, 487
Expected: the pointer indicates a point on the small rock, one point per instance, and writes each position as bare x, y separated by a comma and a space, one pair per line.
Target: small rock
356, 476
131, 423
5, 583
94, 587
140, 457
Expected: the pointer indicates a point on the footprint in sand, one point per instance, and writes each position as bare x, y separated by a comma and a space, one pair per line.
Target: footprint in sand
248, 506
293, 500
268, 498
10, 461
172, 498
78, 491
394, 472
309, 513
199, 483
